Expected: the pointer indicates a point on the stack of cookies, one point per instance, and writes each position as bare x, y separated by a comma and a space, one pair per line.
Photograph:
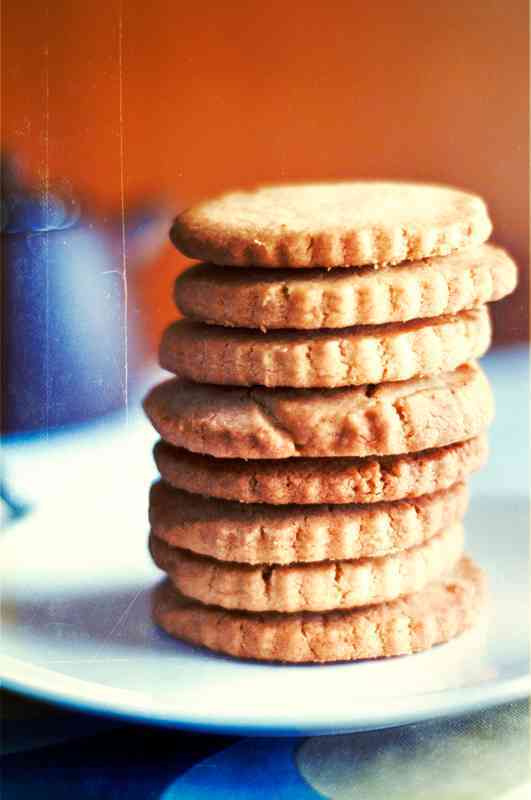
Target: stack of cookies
327, 413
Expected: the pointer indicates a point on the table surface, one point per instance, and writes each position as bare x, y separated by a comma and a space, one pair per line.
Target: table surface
485, 754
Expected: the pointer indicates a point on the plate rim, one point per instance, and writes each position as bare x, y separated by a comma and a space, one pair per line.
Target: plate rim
436, 704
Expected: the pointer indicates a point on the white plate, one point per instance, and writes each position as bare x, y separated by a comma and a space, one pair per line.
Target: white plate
77, 630
77, 582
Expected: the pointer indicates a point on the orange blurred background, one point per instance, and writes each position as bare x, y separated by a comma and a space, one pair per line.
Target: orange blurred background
219, 95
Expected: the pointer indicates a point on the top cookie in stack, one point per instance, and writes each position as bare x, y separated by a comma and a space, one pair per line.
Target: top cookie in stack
365, 394
341, 225
332, 225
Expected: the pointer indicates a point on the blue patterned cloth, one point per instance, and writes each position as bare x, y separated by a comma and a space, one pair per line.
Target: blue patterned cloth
50, 753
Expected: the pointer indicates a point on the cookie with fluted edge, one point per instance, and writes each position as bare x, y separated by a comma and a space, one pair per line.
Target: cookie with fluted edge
314, 586
331, 224
385, 419
444, 609
325, 358
321, 480
265, 534
258, 298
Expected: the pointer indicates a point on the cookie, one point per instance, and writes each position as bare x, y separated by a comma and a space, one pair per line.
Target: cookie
341, 298
324, 359
265, 534
444, 609
386, 419
320, 586
331, 225
307, 481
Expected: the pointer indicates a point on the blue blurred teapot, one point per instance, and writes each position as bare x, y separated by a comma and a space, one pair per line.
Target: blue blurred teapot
70, 349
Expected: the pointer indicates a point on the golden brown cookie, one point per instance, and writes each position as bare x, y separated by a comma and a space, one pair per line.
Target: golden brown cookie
324, 359
321, 480
331, 225
316, 586
265, 534
443, 610
385, 419
340, 298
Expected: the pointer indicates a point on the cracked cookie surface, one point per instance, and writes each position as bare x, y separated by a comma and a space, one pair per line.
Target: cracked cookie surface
320, 586
271, 299
321, 480
444, 609
324, 359
386, 419
331, 225
266, 534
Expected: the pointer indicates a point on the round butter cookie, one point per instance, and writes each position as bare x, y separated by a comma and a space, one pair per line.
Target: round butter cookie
270, 299
320, 586
306, 481
265, 534
444, 609
331, 224
383, 419
327, 358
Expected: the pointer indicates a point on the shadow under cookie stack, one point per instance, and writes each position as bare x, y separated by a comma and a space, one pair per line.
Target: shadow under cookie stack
327, 413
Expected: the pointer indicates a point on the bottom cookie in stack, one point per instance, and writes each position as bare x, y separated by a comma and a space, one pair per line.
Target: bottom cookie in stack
319, 582
445, 608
